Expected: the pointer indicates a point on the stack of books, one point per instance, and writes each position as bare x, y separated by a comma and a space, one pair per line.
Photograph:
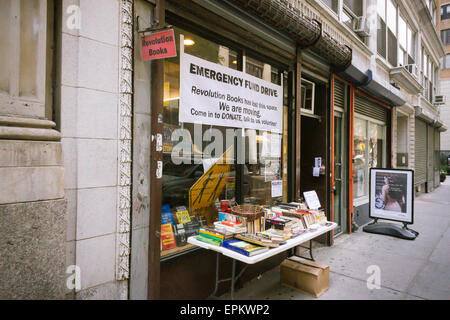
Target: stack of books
274, 235
319, 216
308, 219
243, 247
212, 236
261, 241
229, 226
297, 227
280, 223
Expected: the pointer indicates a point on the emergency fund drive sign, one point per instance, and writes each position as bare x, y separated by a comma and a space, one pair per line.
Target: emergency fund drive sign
216, 95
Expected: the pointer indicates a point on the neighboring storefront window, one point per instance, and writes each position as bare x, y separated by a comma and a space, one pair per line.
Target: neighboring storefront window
250, 181
370, 152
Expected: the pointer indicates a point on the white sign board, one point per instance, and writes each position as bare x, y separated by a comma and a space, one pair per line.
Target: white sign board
391, 194
312, 200
277, 188
212, 94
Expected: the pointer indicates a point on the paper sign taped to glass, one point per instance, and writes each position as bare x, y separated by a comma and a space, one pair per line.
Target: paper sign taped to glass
210, 185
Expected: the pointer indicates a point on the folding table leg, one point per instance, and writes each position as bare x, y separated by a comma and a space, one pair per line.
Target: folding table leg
310, 249
217, 276
233, 273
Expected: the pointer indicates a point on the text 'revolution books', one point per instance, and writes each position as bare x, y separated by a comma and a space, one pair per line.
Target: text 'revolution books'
243, 247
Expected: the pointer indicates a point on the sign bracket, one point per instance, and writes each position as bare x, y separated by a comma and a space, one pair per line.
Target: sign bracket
153, 27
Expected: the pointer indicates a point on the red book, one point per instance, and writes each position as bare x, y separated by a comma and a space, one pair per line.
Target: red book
231, 223
167, 237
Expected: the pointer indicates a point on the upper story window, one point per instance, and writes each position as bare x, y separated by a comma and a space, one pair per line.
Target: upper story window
333, 4
428, 76
445, 62
432, 8
406, 43
396, 41
445, 12
445, 37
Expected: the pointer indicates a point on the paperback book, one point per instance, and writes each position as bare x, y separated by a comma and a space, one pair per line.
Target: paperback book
167, 237
243, 247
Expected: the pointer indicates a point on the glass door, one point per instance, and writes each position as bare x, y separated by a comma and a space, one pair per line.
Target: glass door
340, 185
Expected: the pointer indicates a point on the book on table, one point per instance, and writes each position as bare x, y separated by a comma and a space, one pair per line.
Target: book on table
243, 247
208, 240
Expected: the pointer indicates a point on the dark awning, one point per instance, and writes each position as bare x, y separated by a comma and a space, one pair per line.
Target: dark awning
307, 32
365, 82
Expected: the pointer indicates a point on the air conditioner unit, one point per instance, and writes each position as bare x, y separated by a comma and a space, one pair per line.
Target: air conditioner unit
362, 27
439, 100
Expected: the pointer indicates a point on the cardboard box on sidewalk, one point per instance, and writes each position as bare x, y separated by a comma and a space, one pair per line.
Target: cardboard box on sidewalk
307, 276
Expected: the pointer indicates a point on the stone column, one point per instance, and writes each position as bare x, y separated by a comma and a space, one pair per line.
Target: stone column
32, 203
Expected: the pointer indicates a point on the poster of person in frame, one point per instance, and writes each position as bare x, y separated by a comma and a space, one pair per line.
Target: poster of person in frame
391, 194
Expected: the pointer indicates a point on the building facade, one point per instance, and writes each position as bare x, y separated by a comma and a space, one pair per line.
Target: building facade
87, 126
445, 78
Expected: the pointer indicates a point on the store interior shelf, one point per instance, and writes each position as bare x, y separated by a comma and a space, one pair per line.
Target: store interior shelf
177, 251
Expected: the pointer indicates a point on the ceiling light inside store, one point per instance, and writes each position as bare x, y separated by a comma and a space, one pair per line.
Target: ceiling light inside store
188, 42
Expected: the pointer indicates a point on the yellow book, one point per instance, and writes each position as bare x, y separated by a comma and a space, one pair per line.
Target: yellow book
183, 217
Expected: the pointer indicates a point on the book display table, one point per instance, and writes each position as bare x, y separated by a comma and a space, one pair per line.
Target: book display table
309, 235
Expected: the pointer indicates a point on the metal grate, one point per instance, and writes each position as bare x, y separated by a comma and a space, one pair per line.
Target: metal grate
307, 32
339, 94
370, 109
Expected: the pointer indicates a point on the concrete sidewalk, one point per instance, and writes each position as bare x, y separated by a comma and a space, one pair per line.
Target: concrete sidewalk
418, 269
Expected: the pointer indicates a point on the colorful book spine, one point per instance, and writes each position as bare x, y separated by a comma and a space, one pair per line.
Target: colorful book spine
212, 233
213, 237
208, 240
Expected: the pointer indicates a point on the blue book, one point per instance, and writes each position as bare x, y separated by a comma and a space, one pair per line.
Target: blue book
243, 247
166, 215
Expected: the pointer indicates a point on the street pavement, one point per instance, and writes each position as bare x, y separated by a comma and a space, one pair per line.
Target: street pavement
409, 269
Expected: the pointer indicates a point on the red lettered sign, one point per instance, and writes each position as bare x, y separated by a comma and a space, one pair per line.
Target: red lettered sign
159, 45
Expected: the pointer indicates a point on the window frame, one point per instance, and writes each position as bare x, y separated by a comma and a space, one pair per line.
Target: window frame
368, 121
445, 12
40, 104
302, 109
408, 54
242, 55
445, 59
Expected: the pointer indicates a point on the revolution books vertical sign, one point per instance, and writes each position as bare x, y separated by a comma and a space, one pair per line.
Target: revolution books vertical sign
212, 94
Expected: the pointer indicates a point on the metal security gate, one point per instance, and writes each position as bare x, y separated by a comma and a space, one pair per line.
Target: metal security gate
430, 157
437, 160
420, 165
370, 109
339, 94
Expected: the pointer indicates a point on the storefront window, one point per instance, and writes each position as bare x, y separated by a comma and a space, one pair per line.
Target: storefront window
361, 158
191, 195
264, 162
370, 152
376, 145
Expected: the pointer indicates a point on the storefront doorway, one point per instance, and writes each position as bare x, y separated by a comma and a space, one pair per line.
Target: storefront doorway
340, 172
